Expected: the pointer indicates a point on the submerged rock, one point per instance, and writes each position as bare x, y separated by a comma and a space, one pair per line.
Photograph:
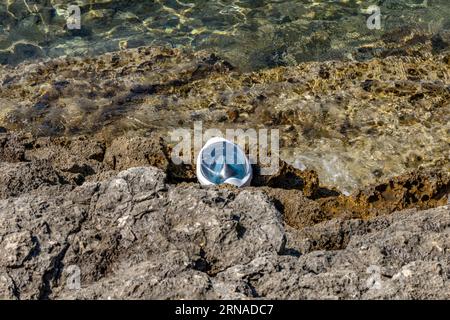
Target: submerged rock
91, 205
354, 122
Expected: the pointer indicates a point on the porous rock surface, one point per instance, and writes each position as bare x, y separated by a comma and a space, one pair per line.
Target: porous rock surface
133, 235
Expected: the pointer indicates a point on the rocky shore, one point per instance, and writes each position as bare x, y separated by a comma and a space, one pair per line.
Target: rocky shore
83, 218
91, 205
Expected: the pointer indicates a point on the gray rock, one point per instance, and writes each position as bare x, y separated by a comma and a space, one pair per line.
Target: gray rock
130, 224
134, 236
22, 177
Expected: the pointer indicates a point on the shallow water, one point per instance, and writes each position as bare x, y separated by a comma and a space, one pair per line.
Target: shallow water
364, 124
252, 34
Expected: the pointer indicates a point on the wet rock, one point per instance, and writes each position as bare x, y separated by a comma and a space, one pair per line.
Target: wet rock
344, 119
124, 153
12, 147
289, 177
419, 189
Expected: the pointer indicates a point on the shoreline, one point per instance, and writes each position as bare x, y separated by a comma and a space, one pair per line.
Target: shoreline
135, 233
79, 159
354, 122
87, 182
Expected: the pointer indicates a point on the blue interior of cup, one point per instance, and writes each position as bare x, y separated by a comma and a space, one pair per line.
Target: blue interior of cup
221, 161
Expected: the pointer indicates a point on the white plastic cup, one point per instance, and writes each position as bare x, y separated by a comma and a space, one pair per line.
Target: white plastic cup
222, 161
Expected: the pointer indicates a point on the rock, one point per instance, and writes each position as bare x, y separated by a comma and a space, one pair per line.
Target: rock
127, 152
377, 262
35, 230
74, 158
136, 213
298, 194
20, 178
17, 248
91, 205
420, 189
12, 147
298, 210
288, 177
135, 236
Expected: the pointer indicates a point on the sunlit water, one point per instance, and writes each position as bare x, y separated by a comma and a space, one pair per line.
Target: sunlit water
250, 33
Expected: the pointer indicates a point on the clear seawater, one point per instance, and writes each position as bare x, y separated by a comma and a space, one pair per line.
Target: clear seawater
252, 34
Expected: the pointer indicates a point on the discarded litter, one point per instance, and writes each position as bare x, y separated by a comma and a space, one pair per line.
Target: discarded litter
221, 161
